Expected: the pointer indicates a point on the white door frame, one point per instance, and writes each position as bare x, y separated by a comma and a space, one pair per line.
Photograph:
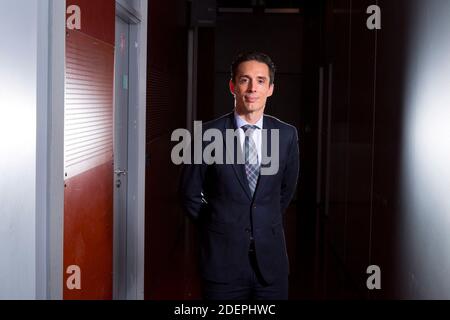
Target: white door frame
51, 30
133, 289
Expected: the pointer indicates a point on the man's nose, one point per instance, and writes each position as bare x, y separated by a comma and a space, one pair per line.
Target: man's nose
251, 86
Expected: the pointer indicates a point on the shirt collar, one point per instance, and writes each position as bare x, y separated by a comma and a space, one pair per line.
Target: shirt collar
241, 122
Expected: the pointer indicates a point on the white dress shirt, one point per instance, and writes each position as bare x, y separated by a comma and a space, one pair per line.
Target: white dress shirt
256, 136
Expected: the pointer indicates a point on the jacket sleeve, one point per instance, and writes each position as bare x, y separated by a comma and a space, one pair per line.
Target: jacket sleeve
291, 172
191, 189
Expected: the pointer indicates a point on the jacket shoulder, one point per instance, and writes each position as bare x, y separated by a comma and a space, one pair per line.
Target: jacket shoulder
284, 127
217, 123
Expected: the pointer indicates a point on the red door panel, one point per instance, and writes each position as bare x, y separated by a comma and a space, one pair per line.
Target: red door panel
88, 226
88, 151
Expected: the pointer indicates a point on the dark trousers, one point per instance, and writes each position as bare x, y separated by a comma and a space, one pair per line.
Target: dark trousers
249, 286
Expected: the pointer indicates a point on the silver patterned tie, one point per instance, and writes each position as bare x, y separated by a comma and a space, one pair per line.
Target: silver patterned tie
251, 158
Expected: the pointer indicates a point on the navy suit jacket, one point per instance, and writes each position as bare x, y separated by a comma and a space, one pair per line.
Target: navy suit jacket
218, 197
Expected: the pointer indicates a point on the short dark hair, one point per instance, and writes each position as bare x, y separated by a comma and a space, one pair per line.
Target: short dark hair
253, 56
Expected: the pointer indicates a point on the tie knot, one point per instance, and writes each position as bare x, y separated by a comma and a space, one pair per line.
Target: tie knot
249, 127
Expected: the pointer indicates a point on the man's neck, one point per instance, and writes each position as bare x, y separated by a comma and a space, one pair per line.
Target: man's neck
252, 117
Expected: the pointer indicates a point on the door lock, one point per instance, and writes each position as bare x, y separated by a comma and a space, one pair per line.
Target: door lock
119, 172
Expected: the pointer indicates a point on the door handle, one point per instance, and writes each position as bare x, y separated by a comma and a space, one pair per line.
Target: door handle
119, 172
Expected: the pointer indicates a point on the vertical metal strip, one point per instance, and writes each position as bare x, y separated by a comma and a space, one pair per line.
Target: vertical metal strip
55, 232
329, 116
319, 140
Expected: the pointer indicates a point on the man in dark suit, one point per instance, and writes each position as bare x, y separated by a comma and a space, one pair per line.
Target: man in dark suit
238, 207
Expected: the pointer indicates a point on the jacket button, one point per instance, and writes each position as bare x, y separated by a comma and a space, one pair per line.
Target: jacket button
254, 207
247, 230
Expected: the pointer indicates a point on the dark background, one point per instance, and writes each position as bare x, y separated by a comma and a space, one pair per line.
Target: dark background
343, 87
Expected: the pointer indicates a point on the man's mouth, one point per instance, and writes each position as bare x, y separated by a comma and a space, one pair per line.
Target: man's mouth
251, 99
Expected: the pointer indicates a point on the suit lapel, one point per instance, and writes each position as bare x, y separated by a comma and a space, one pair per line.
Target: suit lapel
239, 169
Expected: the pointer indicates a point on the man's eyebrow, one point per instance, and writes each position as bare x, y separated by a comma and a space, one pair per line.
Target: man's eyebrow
258, 77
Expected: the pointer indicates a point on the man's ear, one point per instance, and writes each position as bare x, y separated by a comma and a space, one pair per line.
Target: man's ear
232, 87
272, 86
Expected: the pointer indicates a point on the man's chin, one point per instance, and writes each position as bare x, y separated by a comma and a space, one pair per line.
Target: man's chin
252, 108
249, 108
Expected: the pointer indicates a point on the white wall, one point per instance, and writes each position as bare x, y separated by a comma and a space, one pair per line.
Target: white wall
18, 85
426, 171
31, 148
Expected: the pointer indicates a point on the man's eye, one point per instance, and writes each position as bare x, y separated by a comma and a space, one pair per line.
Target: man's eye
243, 80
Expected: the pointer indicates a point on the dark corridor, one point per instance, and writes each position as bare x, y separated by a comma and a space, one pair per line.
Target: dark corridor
342, 84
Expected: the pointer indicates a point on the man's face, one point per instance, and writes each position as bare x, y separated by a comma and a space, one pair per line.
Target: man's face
251, 86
